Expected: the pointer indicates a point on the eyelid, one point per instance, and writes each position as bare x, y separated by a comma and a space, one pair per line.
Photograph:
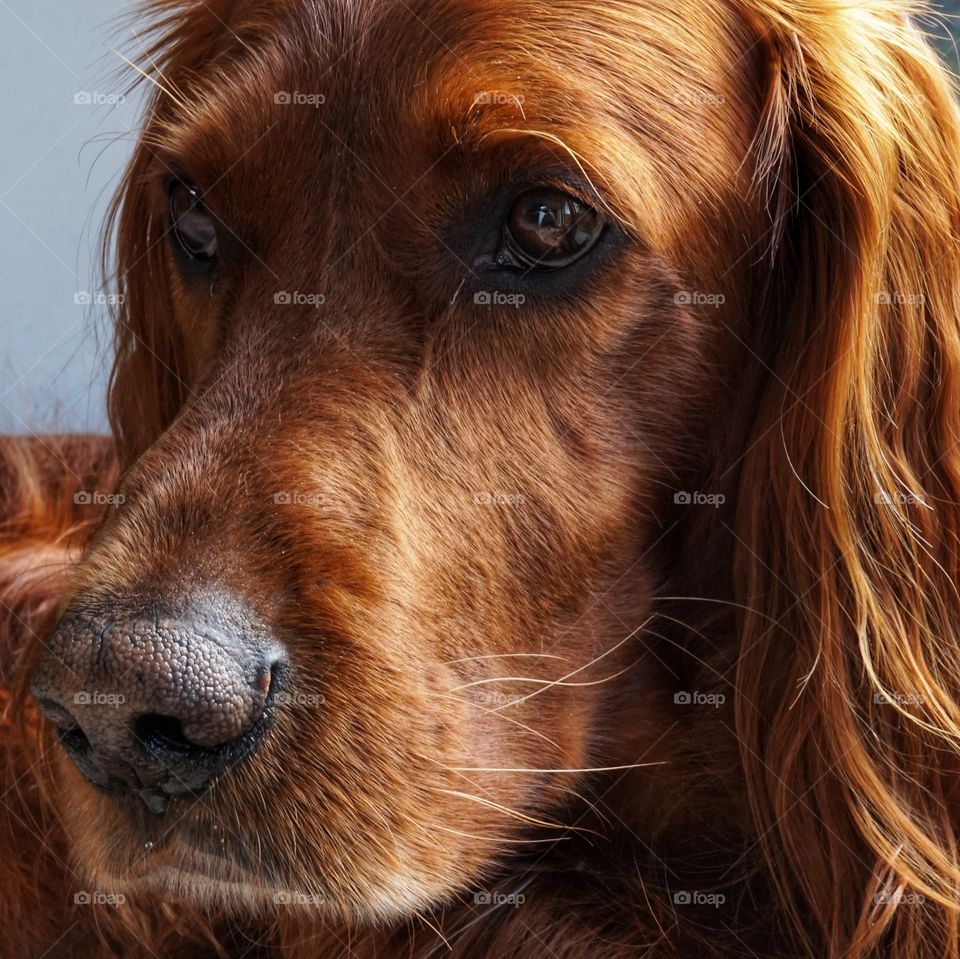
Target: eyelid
174, 181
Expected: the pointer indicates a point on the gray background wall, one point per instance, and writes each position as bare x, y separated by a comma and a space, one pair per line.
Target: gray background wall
64, 143
64, 138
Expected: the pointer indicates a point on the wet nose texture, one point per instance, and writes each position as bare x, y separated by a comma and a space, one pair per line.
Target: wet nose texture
159, 704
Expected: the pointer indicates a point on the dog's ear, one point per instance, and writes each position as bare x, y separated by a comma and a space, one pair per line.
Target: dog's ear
847, 517
149, 379
152, 372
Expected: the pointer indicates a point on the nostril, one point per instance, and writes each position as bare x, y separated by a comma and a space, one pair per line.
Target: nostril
179, 697
163, 734
75, 741
265, 678
60, 717
69, 733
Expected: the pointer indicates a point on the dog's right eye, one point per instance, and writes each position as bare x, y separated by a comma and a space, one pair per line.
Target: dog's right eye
548, 229
192, 224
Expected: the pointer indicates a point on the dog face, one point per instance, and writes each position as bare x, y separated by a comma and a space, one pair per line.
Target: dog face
424, 310
419, 297
430, 315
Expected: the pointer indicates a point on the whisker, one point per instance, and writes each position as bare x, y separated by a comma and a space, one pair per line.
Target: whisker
719, 602
519, 769
471, 659
509, 719
516, 814
566, 789
596, 659
503, 679
543, 682
501, 839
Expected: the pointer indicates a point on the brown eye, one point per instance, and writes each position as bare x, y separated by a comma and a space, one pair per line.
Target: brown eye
549, 228
192, 224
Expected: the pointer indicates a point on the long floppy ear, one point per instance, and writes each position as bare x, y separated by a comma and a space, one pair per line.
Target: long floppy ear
153, 370
848, 559
148, 384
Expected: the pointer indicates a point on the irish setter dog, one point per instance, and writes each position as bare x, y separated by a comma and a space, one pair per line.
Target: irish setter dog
530, 526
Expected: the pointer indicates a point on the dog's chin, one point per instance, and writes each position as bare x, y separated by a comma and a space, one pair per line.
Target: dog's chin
213, 884
214, 887
180, 859
217, 886
124, 850
120, 859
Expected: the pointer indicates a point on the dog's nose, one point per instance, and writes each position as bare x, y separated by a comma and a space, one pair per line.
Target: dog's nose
154, 703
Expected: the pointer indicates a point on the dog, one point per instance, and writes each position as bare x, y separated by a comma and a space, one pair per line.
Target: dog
530, 524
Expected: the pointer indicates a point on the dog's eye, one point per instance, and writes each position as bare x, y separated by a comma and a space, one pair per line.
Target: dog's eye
548, 228
193, 226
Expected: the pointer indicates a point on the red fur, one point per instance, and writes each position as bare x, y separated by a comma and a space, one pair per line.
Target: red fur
525, 666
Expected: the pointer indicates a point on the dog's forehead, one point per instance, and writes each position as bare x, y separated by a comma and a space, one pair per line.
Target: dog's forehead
640, 48
374, 55
350, 97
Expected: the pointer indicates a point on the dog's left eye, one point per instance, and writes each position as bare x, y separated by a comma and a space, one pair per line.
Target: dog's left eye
192, 224
549, 229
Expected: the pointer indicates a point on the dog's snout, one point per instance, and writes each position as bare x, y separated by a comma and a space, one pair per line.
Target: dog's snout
158, 704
